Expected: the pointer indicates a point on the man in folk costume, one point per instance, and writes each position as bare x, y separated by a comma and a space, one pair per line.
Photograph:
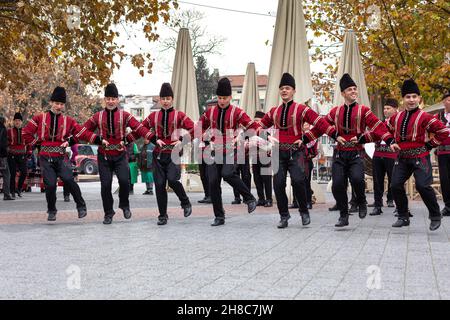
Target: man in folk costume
288, 119
352, 121
165, 127
383, 164
17, 155
111, 124
263, 181
411, 128
220, 123
443, 153
54, 132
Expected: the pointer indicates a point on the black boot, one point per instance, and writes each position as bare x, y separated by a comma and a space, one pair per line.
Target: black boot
218, 222
162, 221
260, 203
362, 211
306, 219
446, 212
187, 210
236, 201
353, 208
376, 211
435, 224
82, 212
126, 213
251, 206
283, 224
294, 205
342, 222
401, 222
334, 208
269, 203
51, 216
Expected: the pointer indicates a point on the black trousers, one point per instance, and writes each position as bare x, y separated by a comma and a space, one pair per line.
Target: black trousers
227, 171
309, 191
263, 183
444, 175
423, 174
107, 166
348, 165
243, 171
381, 168
166, 172
204, 177
294, 163
52, 168
15, 163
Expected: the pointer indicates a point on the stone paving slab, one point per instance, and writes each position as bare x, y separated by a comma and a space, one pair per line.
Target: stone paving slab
248, 258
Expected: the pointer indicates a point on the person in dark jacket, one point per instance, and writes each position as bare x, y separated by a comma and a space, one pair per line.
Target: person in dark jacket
4, 169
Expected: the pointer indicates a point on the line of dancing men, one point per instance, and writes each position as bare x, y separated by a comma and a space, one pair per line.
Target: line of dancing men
403, 144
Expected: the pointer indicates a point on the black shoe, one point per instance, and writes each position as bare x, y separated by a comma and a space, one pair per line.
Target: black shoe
251, 206
126, 213
306, 219
362, 211
218, 222
205, 200
401, 222
19, 194
146, 193
66, 198
162, 222
261, 203
390, 204
108, 220
294, 205
283, 224
353, 208
309, 206
446, 212
236, 201
51, 216
334, 208
342, 222
269, 204
82, 212
435, 224
376, 211
187, 211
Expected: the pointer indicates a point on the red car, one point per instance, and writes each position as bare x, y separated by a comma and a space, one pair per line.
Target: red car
86, 160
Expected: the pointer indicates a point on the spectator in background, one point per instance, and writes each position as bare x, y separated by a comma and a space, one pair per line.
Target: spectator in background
4, 169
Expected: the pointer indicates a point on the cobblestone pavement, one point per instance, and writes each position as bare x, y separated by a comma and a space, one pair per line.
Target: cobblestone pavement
248, 258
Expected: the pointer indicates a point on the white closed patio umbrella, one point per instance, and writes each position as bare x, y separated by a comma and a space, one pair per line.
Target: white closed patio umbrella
250, 92
350, 62
184, 83
289, 53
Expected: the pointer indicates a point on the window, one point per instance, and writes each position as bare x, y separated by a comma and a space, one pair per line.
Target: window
85, 151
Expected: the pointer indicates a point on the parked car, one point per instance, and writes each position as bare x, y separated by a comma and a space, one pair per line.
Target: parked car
86, 160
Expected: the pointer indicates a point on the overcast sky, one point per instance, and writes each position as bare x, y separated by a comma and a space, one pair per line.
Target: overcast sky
245, 35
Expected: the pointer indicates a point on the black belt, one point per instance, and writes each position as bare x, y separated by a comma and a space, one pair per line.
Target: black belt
17, 152
444, 148
289, 146
114, 147
50, 149
384, 149
412, 152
